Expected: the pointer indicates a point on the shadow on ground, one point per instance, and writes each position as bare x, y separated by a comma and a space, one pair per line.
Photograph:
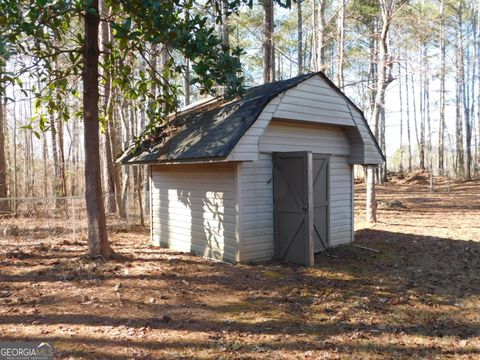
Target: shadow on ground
418, 296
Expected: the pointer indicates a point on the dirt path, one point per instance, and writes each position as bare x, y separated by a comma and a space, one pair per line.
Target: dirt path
419, 297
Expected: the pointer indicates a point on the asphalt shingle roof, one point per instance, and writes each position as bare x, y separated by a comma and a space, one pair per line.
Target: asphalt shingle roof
208, 131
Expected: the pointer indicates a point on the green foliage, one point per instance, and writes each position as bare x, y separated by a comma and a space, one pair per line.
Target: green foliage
366, 11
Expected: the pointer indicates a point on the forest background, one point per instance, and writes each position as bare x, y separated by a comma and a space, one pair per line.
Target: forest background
411, 66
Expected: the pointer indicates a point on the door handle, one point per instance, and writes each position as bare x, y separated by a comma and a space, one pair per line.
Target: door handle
305, 207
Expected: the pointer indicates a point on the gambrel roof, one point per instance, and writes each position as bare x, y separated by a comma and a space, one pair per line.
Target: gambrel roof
212, 131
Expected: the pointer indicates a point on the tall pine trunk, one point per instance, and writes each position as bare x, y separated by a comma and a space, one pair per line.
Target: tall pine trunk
186, 83
378, 112
468, 109
3, 163
409, 138
97, 231
225, 24
476, 77
340, 44
268, 52
422, 106
74, 183
61, 159
109, 156
477, 56
400, 168
414, 105
441, 123
15, 162
318, 36
381, 81
56, 169
299, 37
428, 119
371, 203
45, 165
459, 155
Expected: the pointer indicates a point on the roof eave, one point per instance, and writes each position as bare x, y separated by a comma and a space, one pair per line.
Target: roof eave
220, 159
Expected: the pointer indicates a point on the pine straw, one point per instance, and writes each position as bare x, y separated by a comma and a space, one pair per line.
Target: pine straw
418, 298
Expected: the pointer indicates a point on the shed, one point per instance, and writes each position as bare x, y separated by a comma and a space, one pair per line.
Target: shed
266, 175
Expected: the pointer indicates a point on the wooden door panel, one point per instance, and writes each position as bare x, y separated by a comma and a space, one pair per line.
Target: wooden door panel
320, 172
291, 207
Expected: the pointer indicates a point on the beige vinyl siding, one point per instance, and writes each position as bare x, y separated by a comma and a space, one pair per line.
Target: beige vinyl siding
256, 211
371, 154
291, 136
341, 173
247, 147
314, 101
193, 209
357, 147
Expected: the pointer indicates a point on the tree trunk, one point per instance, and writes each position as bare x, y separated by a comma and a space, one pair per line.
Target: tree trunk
225, 24
138, 189
3, 163
273, 61
441, 123
26, 166
340, 44
115, 131
111, 201
109, 156
45, 164
279, 71
422, 109
299, 37
7, 152
186, 83
460, 159
428, 145
381, 78
318, 36
409, 138
56, 169
268, 66
378, 113
61, 159
414, 105
321, 35
15, 170
74, 183
371, 200
124, 186
477, 56
372, 74
467, 112
468, 145
97, 231
400, 168
30, 158
476, 35
314, 37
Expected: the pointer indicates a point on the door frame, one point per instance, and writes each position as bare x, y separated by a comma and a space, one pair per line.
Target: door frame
326, 157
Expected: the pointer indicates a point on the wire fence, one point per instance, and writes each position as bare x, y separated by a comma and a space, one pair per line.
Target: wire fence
37, 218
